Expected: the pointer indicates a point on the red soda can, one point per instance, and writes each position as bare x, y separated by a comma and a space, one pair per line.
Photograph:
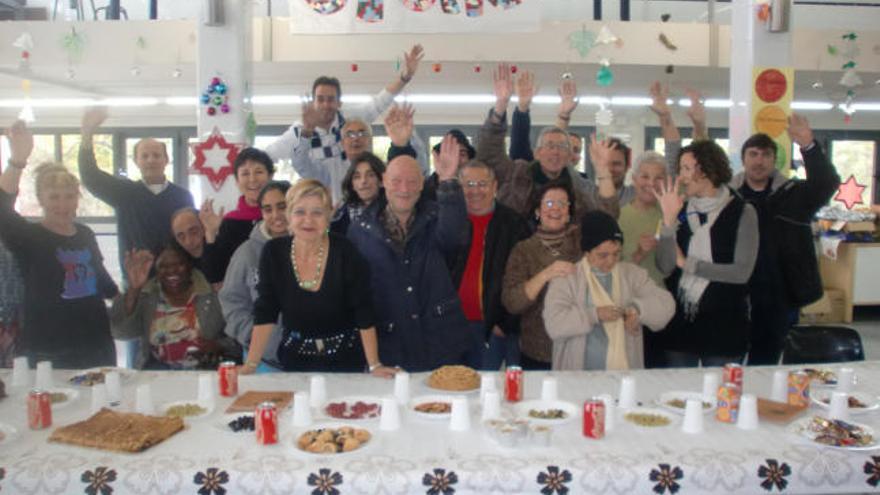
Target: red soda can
594, 418
513, 384
733, 373
266, 423
39, 407
799, 388
728, 402
228, 378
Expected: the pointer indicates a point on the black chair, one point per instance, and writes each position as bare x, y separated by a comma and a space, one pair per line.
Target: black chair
822, 344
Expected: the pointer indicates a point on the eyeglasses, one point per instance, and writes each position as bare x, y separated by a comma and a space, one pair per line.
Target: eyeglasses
356, 134
555, 203
473, 184
556, 146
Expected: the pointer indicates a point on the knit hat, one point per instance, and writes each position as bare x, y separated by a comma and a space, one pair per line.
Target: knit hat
598, 227
462, 141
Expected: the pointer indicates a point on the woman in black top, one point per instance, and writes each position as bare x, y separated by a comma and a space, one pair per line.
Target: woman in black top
65, 319
320, 284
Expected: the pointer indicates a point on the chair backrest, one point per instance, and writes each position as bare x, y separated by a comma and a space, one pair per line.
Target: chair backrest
822, 344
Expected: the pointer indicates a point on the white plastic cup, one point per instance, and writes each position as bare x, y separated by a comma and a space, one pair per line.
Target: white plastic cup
711, 380
845, 378
693, 417
44, 375
206, 388
99, 397
302, 412
143, 400
20, 372
549, 389
318, 391
487, 384
401, 387
460, 419
779, 393
610, 411
390, 419
627, 397
114, 387
838, 408
747, 418
491, 405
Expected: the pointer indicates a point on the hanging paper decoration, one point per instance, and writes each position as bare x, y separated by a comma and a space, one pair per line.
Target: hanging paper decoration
668, 44
371, 10
73, 43
354, 67
251, 129
214, 158
326, 7
513, 69
850, 77
477, 68
215, 97
763, 12
474, 8
604, 76
818, 85
604, 117
418, 5
450, 6
567, 76
850, 193
606, 37
176, 73
139, 44
25, 44
582, 41
437, 67
670, 69
665, 17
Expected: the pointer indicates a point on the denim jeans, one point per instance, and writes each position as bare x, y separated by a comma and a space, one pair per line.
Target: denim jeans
501, 350
679, 359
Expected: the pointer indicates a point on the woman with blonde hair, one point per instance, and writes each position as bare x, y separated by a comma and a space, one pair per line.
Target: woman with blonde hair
320, 284
65, 318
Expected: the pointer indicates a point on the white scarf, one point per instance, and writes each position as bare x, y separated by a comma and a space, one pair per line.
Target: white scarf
692, 286
615, 356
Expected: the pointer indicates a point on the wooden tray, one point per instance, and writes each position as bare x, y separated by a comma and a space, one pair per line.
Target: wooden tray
778, 412
249, 400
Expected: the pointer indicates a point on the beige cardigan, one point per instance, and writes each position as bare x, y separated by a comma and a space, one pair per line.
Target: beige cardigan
568, 319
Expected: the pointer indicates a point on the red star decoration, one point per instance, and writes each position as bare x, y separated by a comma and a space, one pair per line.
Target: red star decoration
214, 158
850, 193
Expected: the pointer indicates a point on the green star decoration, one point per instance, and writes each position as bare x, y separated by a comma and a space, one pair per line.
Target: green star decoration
74, 43
832, 50
582, 41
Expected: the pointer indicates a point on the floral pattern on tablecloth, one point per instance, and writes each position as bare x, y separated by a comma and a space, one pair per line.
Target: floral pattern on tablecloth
267, 475
45, 475
325, 481
554, 481
439, 482
819, 466
604, 473
710, 469
667, 478
872, 468
773, 475
99, 481
493, 474
211, 481
161, 474
380, 474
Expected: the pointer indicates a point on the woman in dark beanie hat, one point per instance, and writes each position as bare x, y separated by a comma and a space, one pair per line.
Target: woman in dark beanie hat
595, 315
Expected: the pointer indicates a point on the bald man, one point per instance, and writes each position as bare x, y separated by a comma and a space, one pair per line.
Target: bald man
406, 240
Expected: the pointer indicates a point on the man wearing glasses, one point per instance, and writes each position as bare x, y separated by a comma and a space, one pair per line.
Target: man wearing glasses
315, 145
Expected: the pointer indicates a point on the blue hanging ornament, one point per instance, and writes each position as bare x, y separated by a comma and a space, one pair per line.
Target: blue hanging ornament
604, 77
206, 98
220, 89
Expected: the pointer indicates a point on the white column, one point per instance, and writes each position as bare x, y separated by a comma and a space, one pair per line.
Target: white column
225, 51
751, 45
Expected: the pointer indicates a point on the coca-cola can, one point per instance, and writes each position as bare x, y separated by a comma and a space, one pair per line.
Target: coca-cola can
594, 418
513, 384
39, 406
228, 373
266, 423
733, 373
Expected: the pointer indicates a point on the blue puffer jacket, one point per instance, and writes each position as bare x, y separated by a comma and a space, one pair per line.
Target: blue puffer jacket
420, 323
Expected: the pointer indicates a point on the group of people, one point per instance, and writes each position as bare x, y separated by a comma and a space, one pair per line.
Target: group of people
496, 257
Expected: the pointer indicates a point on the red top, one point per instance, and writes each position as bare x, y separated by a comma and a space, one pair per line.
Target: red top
471, 289
245, 211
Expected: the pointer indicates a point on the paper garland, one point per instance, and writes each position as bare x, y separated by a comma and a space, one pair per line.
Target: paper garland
214, 158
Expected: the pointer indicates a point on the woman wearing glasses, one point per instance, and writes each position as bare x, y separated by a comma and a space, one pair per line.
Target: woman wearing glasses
320, 284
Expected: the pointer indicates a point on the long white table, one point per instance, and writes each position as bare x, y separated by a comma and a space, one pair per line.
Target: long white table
425, 457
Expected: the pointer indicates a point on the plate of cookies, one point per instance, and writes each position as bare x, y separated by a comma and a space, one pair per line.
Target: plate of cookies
432, 406
333, 439
454, 379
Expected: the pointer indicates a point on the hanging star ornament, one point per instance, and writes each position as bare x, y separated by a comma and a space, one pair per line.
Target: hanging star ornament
850, 193
214, 158
582, 41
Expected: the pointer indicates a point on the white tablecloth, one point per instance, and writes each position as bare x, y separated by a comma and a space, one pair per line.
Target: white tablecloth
425, 457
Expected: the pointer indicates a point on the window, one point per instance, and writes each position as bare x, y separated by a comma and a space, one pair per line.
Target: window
89, 206
44, 151
131, 169
659, 146
380, 147
856, 158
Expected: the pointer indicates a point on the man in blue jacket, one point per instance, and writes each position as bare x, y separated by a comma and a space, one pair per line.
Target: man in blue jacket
406, 239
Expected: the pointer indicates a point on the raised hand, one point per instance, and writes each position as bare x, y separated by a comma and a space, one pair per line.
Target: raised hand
697, 113
799, 130
210, 220
92, 120
503, 85
601, 155
660, 93
21, 143
311, 117
568, 93
399, 123
669, 200
447, 163
525, 90
412, 59
137, 263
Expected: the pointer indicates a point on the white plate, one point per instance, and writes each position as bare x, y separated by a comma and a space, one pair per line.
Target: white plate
125, 374
870, 401
673, 418
832, 383
319, 426
350, 401
800, 428
453, 392
521, 409
663, 401
430, 398
209, 408
8, 432
72, 395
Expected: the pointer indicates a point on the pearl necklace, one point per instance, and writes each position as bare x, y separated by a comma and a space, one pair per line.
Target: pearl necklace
307, 284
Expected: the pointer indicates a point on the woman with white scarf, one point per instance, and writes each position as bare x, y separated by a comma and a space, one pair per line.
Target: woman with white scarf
595, 315
707, 250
